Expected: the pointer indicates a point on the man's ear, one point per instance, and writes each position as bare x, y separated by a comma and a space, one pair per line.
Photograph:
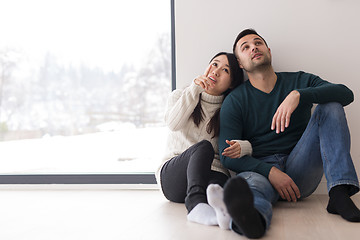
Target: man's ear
241, 66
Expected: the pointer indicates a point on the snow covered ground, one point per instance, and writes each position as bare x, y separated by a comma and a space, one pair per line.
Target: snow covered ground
125, 150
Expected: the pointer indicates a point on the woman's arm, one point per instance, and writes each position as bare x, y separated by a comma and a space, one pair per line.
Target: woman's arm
180, 106
237, 148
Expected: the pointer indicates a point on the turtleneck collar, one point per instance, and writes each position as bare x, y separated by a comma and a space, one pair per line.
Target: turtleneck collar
211, 98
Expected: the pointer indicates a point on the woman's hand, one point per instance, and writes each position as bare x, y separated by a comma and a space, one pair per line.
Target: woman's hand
203, 81
233, 151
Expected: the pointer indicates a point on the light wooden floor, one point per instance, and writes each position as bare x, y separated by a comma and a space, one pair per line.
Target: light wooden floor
145, 214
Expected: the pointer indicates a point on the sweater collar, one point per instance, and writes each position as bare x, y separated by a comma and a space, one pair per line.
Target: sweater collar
211, 99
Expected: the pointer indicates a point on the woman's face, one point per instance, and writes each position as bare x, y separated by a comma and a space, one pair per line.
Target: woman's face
219, 73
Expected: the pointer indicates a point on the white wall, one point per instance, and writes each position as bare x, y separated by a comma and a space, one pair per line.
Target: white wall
320, 37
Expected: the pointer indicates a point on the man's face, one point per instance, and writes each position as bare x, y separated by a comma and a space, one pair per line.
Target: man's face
252, 53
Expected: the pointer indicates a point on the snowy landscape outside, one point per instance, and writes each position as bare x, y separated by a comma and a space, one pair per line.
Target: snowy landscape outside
85, 93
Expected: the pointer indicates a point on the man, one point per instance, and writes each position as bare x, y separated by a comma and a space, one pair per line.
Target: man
292, 148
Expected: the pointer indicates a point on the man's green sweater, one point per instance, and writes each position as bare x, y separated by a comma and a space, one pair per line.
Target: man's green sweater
247, 114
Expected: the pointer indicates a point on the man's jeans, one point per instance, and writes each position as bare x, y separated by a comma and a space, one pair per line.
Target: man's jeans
323, 148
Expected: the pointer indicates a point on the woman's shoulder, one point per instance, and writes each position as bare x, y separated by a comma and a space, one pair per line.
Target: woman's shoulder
192, 88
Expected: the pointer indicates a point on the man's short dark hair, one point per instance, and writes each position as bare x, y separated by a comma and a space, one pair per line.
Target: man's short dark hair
243, 34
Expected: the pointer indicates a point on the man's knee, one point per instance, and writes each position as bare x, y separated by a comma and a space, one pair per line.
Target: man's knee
256, 181
331, 108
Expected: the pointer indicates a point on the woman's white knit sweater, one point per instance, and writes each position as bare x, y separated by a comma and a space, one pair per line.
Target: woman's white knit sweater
183, 131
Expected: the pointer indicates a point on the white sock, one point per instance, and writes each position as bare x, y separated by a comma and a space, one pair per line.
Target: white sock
215, 195
204, 214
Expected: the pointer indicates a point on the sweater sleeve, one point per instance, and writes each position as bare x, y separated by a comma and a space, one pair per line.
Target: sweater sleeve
321, 91
181, 104
247, 163
246, 148
231, 128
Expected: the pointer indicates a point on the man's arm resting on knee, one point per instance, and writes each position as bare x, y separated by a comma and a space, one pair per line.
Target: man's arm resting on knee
285, 186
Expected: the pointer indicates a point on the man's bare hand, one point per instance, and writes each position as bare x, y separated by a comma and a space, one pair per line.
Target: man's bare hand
281, 119
285, 186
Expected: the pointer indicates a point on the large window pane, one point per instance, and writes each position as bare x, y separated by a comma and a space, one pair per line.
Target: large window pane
83, 85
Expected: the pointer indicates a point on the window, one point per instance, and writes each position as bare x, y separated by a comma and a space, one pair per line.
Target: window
83, 86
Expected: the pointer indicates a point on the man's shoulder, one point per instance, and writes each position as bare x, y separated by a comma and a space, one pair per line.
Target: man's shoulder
298, 77
239, 91
241, 87
238, 94
293, 74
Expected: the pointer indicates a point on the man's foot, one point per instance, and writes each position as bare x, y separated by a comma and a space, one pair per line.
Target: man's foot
341, 203
239, 202
215, 194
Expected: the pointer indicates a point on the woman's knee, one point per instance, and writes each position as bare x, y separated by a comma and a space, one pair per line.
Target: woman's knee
205, 146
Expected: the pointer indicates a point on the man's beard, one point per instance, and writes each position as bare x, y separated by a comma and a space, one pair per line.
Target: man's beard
256, 67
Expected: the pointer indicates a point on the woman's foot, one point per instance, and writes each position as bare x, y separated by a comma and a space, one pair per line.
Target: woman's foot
215, 194
203, 213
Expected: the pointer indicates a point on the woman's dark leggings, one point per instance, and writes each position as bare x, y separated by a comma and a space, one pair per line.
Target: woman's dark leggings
185, 178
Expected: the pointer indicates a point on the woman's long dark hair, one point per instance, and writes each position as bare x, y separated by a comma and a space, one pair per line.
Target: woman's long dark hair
237, 78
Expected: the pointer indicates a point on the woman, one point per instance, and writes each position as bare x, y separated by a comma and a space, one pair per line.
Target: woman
192, 159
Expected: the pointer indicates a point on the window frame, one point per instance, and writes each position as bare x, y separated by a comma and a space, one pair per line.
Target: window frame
141, 178
101, 178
